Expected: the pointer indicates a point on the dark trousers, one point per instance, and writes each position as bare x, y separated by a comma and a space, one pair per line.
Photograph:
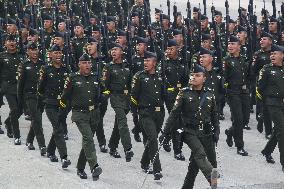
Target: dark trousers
36, 123
100, 133
263, 117
270, 145
277, 116
87, 123
240, 110
62, 119
202, 157
12, 121
120, 130
151, 124
57, 137
175, 135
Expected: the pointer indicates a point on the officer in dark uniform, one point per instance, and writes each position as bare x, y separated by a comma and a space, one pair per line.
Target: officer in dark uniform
9, 62
98, 64
176, 75
82, 90
270, 87
48, 30
147, 95
111, 29
236, 83
28, 75
50, 87
136, 66
198, 109
261, 58
116, 81
273, 29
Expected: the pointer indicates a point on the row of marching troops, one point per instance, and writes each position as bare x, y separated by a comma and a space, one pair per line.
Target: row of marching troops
58, 56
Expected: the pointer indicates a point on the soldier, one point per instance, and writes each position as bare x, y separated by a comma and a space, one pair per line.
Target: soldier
270, 87
28, 75
204, 24
273, 29
147, 95
111, 29
168, 32
138, 65
98, 64
9, 62
50, 87
236, 84
176, 78
261, 58
199, 113
48, 30
81, 89
116, 81
232, 27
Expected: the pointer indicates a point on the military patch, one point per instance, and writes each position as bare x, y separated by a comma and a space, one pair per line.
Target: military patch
67, 83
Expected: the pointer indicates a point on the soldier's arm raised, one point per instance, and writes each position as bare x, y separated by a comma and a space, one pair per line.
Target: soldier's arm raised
135, 89
105, 80
67, 93
42, 81
261, 83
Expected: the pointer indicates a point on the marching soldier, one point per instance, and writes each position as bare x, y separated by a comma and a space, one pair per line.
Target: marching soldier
273, 29
111, 29
116, 81
82, 90
236, 83
9, 62
98, 64
270, 87
261, 58
199, 113
28, 75
48, 30
147, 95
50, 87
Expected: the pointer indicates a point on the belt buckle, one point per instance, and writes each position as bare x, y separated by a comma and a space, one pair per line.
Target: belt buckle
59, 97
125, 92
179, 85
91, 108
157, 109
201, 127
244, 87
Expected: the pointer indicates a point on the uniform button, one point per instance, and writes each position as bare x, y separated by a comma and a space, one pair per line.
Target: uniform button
90, 100
87, 82
89, 91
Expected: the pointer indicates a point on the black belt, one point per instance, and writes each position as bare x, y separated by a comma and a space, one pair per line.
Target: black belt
85, 109
152, 108
119, 92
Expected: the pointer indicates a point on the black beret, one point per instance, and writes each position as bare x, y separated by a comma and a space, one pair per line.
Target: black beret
11, 21
198, 68
46, 17
33, 32
205, 37
217, 13
32, 45
241, 29
78, 23
172, 42
27, 16
134, 14
233, 38
243, 9
59, 34
277, 48
157, 10
142, 40
111, 19
121, 32
164, 16
55, 48
203, 17
232, 21
92, 39
177, 32
272, 19
195, 9
85, 57
265, 34
149, 54
205, 51
96, 28
10, 38
179, 14
94, 16
114, 45
61, 2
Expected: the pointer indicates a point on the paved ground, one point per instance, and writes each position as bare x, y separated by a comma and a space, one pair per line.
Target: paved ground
20, 168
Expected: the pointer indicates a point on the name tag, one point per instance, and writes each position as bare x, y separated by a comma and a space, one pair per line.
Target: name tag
91, 108
157, 109
179, 85
126, 92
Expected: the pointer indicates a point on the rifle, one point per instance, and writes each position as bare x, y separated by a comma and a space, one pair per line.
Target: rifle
282, 10
121, 17
204, 5
162, 38
251, 36
169, 8
279, 29
227, 23
129, 38
20, 37
85, 13
264, 13
188, 10
185, 57
103, 19
175, 16
240, 14
274, 9
217, 40
67, 45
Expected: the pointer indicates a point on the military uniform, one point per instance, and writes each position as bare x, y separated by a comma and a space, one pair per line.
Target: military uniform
270, 89
28, 75
147, 95
82, 91
78, 47
50, 87
236, 82
9, 66
199, 114
116, 81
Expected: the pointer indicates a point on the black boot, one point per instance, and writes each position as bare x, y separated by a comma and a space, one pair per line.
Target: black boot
114, 153
82, 174
1, 131
180, 157
30, 146
103, 148
128, 155
229, 139
242, 152
65, 163
158, 176
96, 171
